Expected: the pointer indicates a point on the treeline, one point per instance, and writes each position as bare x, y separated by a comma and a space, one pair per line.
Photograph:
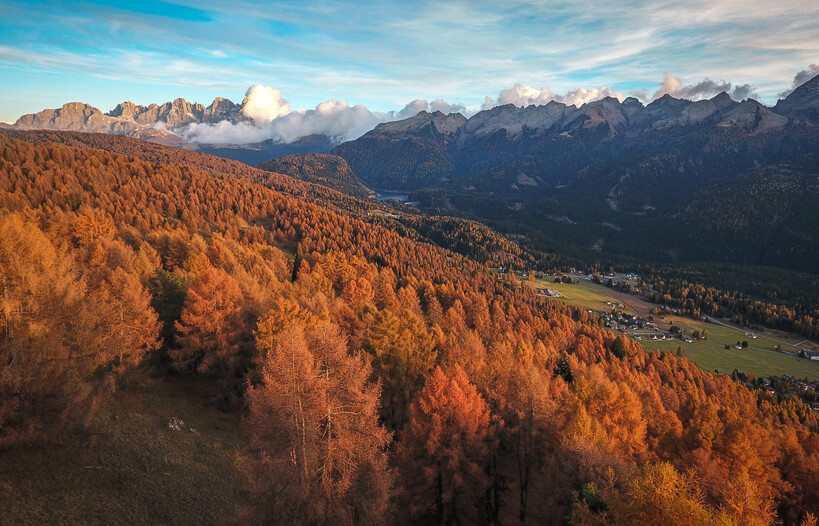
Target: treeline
381, 379
696, 300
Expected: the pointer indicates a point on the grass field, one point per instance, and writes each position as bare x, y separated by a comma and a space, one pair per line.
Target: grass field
758, 358
584, 294
131, 468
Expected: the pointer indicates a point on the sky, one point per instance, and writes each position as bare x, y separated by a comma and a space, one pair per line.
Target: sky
388, 58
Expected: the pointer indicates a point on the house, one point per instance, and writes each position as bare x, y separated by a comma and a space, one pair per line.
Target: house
812, 355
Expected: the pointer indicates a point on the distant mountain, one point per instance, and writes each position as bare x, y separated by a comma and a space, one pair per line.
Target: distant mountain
324, 169
163, 123
548, 144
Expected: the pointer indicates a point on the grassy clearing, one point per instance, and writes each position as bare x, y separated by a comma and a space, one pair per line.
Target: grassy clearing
131, 468
758, 358
584, 294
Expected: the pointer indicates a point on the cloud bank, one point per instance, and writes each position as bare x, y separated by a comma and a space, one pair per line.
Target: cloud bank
266, 115
521, 95
705, 89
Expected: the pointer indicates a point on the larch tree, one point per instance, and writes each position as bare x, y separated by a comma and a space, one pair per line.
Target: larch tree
318, 454
445, 450
128, 325
657, 496
212, 326
43, 358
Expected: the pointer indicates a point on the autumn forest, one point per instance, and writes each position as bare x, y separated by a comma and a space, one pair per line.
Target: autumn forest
379, 371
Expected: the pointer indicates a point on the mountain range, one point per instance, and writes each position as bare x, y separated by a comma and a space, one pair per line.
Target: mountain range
537, 143
164, 123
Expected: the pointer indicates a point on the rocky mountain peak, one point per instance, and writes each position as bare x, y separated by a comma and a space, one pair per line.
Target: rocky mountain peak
803, 103
722, 100
124, 109
221, 109
424, 123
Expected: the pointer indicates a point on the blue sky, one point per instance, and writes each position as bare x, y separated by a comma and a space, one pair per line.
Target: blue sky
386, 54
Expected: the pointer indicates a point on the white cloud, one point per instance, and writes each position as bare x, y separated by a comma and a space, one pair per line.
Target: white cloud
417, 105
271, 118
521, 95
224, 132
263, 104
334, 118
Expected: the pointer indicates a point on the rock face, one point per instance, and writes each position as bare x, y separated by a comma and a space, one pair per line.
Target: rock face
72, 116
153, 122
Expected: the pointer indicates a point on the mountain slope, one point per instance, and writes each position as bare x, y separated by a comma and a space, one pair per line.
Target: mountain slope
765, 217
328, 170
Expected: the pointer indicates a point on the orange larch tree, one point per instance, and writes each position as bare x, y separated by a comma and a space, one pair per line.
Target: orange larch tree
318, 454
445, 451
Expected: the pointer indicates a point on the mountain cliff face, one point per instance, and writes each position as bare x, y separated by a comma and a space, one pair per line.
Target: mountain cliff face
154, 122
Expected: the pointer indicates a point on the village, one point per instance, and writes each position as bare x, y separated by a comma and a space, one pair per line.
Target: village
782, 365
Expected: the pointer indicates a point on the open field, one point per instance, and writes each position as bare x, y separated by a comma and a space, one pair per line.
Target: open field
758, 358
131, 468
584, 294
